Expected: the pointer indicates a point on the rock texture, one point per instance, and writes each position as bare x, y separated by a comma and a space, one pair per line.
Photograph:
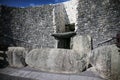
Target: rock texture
16, 56
82, 44
106, 60
64, 35
100, 19
27, 27
56, 60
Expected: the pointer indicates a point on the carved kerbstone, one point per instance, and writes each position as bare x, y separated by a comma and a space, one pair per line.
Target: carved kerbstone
56, 60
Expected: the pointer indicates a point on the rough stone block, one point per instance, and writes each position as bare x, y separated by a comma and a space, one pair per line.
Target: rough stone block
16, 56
106, 60
82, 44
56, 60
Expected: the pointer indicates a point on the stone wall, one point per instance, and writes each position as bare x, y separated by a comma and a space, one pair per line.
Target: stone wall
71, 10
59, 17
27, 27
100, 19
65, 13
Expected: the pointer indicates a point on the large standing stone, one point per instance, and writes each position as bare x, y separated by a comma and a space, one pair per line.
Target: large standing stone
56, 60
106, 60
82, 44
16, 56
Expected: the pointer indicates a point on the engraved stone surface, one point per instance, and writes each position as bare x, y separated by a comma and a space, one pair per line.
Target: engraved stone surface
106, 60
56, 60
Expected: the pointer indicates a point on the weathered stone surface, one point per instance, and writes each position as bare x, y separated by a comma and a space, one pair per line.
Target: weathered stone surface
98, 18
106, 60
64, 35
16, 56
56, 60
81, 44
27, 27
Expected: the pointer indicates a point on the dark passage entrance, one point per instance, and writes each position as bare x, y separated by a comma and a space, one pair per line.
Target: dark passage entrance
64, 43
64, 39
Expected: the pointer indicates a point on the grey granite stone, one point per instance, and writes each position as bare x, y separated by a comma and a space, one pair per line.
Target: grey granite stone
106, 60
27, 27
56, 60
82, 44
100, 19
16, 56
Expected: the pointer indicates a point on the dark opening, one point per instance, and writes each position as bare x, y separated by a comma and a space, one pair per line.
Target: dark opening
63, 39
70, 27
118, 40
64, 43
3, 55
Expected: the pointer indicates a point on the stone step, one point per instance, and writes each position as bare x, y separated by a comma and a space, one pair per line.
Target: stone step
30, 74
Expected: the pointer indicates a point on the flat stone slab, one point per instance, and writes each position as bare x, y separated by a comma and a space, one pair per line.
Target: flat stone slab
64, 35
31, 74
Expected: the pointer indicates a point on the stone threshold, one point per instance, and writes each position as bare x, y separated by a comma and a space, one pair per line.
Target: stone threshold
27, 73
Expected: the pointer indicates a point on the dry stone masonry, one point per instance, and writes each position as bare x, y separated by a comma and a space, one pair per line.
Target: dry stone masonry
100, 19
93, 22
27, 27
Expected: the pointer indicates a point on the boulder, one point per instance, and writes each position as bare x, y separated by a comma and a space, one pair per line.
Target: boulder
16, 56
106, 60
56, 60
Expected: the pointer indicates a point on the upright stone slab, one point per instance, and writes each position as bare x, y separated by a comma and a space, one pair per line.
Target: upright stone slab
106, 60
16, 56
56, 60
82, 44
